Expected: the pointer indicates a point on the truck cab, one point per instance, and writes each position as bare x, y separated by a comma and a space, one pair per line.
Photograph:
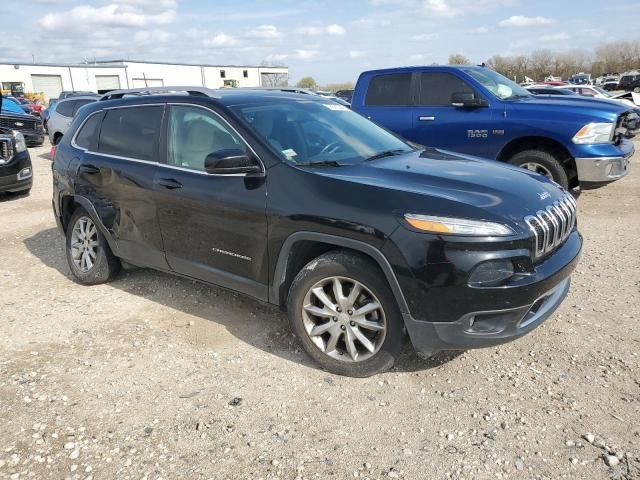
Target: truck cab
476, 111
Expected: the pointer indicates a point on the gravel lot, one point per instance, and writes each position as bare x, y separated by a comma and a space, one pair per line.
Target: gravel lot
155, 377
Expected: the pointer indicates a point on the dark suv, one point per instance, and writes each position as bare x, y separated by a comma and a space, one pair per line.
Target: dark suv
300, 202
630, 83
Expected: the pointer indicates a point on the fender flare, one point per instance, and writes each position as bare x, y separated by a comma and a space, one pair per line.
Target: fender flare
279, 275
85, 203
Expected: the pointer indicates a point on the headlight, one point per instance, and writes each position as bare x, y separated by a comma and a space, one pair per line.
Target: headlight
594, 133
21, 144
456, 226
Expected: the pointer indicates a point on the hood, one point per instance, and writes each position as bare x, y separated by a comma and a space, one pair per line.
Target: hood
608, 110
491, 190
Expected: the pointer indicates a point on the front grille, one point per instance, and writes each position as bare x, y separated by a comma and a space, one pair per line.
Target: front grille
6, 150
552, 226
18, 123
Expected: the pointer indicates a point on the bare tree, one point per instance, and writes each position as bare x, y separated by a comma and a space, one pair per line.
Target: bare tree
458, 59
273, 79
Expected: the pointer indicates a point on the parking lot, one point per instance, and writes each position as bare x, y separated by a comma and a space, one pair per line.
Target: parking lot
154, 377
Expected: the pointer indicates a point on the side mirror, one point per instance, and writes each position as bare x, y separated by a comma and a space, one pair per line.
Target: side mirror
230, 161
467, 100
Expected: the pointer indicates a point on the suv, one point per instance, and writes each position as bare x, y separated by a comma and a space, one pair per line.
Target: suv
474, 110
297, 201
16, 171
630, 83
62, 113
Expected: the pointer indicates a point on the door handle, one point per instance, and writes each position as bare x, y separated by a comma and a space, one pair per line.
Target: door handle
169, 183
426, 119
90, 169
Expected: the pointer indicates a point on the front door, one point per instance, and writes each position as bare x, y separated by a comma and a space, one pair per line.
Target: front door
437, 123
214, 227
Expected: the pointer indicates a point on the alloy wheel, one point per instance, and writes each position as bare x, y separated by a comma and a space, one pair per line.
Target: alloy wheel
84, 244
536, 167
344, 319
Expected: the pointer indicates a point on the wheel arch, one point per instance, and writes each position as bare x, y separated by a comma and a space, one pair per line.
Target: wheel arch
70, 203
549, 145
302, 247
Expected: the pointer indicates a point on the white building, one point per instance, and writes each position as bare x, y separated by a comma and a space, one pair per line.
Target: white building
50, 79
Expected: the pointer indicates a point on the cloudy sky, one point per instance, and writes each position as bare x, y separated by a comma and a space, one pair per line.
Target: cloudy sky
332, 40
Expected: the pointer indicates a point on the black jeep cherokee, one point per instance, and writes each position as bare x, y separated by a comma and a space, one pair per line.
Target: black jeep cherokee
302, 203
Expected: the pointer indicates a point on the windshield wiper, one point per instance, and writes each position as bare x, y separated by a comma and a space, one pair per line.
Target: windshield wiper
320, 164
385, 153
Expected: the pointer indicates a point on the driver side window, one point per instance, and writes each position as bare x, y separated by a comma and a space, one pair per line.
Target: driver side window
194, 133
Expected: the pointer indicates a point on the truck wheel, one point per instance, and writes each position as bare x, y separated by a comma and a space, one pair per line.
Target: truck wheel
636, 90
543, 163
345, 316
88, 254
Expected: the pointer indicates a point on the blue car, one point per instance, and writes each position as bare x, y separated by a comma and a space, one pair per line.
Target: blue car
476, 111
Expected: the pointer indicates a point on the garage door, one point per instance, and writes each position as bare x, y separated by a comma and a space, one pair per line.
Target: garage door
106, 83
149, 82
50, 85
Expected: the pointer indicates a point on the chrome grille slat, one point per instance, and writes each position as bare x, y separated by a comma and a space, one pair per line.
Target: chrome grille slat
552, 225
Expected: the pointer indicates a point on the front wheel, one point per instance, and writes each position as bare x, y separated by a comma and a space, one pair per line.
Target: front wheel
88, 254
543, 163
344, 314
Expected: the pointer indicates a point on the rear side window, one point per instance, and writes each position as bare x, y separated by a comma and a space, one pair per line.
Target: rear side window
80, 103
87, 136
436, 89
131, 132
66, 108
389, 90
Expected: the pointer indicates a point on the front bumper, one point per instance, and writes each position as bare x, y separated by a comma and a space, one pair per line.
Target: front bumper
455, 316
597, 170
33, 138
12, 177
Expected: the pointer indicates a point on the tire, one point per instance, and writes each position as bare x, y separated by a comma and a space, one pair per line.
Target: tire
104, 265
382, 327
636, 90
544, 163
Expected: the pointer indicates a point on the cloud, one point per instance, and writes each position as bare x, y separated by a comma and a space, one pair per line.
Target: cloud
555, 37
522, 21
358, 54
481, 30
221, 40
424, 36
302, 54
124, 15
313, 31
264, 31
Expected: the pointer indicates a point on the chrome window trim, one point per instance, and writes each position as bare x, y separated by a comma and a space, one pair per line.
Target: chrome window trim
163, 164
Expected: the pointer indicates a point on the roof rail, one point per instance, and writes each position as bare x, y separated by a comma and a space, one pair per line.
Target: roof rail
196, 91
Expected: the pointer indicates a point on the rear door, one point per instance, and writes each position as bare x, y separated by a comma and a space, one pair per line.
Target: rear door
437, 123
214, 226
115, 173
388, 102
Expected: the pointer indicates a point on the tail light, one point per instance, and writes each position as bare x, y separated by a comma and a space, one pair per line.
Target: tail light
52, 152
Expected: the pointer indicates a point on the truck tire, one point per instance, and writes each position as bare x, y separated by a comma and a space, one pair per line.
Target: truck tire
542, 162
323, 308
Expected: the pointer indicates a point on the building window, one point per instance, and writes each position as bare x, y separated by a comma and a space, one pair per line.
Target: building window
223, 74
245, 73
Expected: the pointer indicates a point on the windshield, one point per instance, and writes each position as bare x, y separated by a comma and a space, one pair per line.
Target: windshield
500, 86
313, 132
601, 91
11, 106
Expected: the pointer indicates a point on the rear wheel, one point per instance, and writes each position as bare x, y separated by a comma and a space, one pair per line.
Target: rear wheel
88, 254
345, 316
636, 90
543, 163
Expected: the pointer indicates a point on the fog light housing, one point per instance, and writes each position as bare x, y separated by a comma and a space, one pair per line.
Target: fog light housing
491, 273
25, 173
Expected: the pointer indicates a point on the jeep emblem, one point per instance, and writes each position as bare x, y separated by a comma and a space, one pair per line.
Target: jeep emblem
543, 195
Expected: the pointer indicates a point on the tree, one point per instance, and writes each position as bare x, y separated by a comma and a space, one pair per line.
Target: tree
306, 82
274, 79
458, 59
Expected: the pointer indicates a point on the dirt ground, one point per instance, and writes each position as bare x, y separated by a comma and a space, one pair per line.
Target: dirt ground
154, 377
